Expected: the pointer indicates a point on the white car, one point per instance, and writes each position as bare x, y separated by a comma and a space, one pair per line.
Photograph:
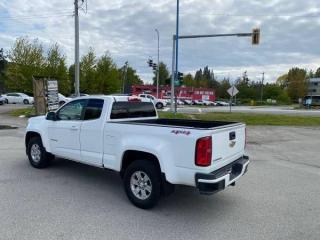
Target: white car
18, 98
159, 103
209, 103
63, 99
222, 103
152, 155
198, 102
2, 100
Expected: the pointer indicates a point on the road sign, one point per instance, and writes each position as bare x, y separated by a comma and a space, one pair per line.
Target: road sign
233, 91
52, 95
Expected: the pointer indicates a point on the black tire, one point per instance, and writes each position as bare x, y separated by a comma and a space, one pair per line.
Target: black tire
44, 157
152, 171
26, 101
159, 105
6, 101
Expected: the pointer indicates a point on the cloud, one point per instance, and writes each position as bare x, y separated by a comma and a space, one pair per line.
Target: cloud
126, 29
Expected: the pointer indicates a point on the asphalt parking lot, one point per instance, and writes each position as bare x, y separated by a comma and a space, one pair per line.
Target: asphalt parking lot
279, 198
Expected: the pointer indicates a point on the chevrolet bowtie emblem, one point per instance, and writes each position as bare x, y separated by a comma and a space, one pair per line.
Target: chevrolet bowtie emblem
232, 143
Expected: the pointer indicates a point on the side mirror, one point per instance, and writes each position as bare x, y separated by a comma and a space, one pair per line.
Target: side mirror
51, 116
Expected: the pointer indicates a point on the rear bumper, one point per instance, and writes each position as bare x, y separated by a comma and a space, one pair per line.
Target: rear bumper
223, 177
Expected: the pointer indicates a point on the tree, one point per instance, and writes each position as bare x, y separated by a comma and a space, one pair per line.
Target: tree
88, 72
107, 76
221, 92
56, 68
26, 60
188, 80
163, 74
131, 79
282, 81
3, 66
297, 83
317, 73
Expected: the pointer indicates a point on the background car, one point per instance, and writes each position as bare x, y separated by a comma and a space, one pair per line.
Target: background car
18, 98
2, 100
198, 102
221, 103
187, 102
159, 103
209, 103
63, 99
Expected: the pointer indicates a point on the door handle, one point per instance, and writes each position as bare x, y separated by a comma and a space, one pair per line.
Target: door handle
74, 128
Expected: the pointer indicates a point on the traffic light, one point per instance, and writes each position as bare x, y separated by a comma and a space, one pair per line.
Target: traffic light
150, 62
154, 66
179, 79
256, 36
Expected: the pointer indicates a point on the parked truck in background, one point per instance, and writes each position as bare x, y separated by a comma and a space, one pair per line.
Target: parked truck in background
152, 155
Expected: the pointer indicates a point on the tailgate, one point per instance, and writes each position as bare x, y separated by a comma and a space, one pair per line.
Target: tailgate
228, 143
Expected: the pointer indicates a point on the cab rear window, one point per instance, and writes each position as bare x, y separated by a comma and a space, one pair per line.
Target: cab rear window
123, 110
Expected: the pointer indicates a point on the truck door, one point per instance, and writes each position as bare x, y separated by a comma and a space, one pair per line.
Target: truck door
64, 134
91, 134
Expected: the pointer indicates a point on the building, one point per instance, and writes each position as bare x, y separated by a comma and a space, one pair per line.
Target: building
188, 93
313, 92
314, 86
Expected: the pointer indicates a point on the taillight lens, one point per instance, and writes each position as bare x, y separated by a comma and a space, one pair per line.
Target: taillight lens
203, 152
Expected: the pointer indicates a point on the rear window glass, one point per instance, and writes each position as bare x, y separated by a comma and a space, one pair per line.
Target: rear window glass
122, 110
93, 109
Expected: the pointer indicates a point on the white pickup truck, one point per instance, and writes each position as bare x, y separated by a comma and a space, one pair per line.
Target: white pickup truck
151, 154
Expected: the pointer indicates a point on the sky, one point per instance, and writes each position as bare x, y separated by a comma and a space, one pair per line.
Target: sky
290, 32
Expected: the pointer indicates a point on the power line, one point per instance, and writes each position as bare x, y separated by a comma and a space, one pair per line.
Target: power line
36, 16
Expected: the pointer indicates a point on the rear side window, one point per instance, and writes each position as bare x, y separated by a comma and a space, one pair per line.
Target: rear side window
122, 110
93, 109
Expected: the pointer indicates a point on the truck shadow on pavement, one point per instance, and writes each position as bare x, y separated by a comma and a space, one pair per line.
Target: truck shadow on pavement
185, 200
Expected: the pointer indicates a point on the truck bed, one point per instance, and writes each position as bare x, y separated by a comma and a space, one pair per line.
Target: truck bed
184, 123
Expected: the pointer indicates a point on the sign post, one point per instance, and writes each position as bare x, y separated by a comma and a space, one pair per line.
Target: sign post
233, 91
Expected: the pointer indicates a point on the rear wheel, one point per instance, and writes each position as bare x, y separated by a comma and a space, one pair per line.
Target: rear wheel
159, 105
38, 157
142, 183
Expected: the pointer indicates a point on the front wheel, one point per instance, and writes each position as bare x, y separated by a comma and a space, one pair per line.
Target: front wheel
38, 157
26, 101
142, 183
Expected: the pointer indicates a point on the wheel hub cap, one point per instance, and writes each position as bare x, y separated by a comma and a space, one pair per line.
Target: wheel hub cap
35, 153
141, 185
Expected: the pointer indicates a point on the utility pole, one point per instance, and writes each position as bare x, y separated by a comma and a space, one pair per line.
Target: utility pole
125, 76
76, 62
158, 68
261, 95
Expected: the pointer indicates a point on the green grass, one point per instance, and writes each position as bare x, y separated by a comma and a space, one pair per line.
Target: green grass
28, 112
251, 119
248, 118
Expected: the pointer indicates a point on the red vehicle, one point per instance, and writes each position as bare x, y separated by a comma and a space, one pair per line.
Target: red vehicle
188, 93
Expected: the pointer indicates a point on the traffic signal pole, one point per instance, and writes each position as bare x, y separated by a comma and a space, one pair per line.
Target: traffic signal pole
173, 73
255, 34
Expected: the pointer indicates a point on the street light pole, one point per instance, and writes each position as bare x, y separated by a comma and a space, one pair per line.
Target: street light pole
76, 63
158, 68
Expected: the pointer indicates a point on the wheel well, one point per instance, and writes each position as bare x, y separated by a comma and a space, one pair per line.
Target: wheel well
30, 135
132, 155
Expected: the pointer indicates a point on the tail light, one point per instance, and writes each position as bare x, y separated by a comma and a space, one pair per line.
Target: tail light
203, 152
